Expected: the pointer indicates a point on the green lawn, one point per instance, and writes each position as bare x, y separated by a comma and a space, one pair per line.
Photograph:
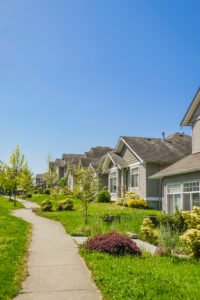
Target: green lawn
130, 219
14, 235
145, 277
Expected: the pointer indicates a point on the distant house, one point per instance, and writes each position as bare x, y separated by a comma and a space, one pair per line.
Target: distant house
60, 166
181, 180
135, 159
40, 181
65, 167
71, 161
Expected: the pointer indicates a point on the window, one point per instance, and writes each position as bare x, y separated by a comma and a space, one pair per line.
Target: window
191, 187
174, 202
173, 188
196, 199
134, 177
113, 182
183, 196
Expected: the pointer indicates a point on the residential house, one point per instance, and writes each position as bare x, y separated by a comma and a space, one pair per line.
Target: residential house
135, 159
71, 161
40, 181
93, 160
181, 180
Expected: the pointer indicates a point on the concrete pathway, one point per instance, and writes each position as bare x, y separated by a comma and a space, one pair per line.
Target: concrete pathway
56, 271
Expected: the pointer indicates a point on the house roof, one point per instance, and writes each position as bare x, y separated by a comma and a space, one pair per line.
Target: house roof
118, 160
168, 150
190, 163
94, 157
72, 158
85, 161
97, 152
191, 110
40, 176
60, 162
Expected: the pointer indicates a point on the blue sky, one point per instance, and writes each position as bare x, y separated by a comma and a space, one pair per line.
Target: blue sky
80, 73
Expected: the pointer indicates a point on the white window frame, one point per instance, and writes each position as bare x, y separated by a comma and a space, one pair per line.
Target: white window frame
135, 167
182, 192
111, 172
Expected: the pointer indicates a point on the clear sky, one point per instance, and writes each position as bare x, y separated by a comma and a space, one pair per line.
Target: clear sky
80, 73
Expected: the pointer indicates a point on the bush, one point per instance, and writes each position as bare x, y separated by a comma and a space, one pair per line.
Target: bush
64, 205
65, 191
175, 222
113, 243
47, 192
103, 196
35, 192
29, 195
46, 205
192, 238
120, 201
129, 196
148, 231
192, 235
137, 203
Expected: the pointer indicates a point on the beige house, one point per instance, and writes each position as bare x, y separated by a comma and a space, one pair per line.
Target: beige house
65, 167
181, 181
135, 159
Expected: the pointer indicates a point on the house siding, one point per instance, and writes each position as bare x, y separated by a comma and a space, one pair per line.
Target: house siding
141, 191
103, 178
174, 179
128, 155
153, 185
196, 136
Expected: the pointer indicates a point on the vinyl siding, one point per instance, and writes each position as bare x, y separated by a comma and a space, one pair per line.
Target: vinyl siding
174, 179
196, 136
141, 191
103, 178
153, 185
128, 155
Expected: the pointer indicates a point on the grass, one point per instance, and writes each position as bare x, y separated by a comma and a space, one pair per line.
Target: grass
145, 277
73, 221
14, 234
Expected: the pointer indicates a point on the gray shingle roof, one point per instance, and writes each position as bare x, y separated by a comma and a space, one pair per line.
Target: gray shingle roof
168, 150
97, 152
190, 163
72, 158
118, 160
60, 162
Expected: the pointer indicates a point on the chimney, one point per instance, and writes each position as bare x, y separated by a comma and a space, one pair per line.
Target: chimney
163, 135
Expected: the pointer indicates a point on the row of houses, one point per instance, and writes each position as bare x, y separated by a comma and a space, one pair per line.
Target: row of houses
165, 171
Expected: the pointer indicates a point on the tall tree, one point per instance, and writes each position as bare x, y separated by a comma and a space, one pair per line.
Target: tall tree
86, 188
15, 168
26, 179
50, 175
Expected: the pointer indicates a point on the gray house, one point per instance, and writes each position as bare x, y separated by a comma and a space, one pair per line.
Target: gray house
65, 167
181, 181
135, 159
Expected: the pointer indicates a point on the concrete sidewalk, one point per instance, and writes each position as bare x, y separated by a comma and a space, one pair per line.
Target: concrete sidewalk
56, 271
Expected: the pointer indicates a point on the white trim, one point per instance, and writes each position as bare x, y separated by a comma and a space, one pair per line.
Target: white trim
106, 159
181, 183
121, 139
134, 165
153, 199
135, 187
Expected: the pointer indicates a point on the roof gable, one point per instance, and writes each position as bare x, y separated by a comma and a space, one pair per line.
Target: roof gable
168, 150
193, 111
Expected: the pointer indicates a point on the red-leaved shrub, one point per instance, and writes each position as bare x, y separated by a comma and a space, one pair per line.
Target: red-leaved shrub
113, 243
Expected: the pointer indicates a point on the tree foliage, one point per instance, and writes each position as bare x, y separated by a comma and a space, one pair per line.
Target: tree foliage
86, 188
